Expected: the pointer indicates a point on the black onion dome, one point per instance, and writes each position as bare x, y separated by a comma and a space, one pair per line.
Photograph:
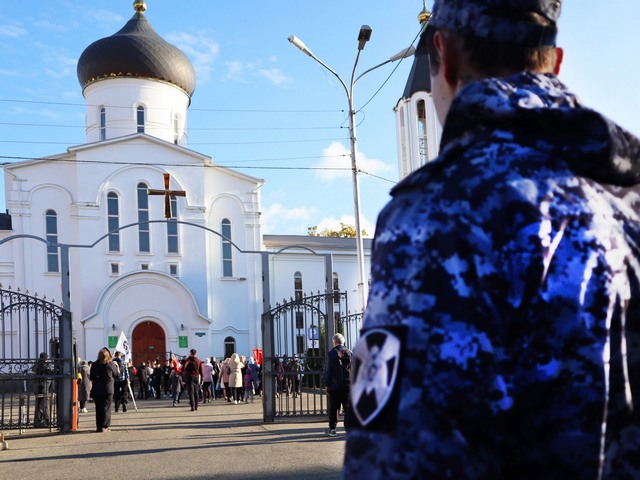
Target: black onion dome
136, 51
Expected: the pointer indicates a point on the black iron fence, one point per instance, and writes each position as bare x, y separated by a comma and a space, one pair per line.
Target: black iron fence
297, 335
36, 363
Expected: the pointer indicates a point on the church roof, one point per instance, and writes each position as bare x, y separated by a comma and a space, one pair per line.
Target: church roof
136, 51
314, 243
419, 78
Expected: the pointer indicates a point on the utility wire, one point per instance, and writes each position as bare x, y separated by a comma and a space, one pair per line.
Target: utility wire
191, 109
390, 74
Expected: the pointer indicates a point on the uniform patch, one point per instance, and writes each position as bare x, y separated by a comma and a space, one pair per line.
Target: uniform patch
376, 357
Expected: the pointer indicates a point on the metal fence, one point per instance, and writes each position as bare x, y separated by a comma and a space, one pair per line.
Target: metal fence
36, 363
297, 335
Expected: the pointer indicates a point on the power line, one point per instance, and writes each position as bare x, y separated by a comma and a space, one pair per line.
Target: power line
191, 109
53, 125
28, 142
390, 74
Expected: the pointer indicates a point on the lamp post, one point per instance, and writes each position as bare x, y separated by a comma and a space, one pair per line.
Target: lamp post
363, 37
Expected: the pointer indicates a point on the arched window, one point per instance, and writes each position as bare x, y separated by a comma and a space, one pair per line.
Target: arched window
144, 243
227, 258
52, 236
297, 286
422, 132
176, 128
172, 228
103, 123
140, 119
229, 346
113, 221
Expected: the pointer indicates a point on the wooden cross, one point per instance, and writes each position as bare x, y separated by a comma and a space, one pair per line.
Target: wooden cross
168, 195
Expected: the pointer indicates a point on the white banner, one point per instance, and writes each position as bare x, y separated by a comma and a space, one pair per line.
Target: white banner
123, 346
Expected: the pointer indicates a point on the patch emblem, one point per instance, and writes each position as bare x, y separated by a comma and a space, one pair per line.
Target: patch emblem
376, 357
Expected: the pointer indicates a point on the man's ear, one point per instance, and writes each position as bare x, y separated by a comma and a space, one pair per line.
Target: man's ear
448, 58
559, 58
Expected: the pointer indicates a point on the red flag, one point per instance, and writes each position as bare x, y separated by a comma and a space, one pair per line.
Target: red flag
176, 365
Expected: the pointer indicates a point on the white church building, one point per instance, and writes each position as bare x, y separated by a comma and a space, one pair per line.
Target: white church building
195, 279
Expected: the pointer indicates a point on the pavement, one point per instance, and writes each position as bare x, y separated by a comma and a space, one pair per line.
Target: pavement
220, 440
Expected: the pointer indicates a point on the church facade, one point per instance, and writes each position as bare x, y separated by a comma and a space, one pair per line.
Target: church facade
178, 270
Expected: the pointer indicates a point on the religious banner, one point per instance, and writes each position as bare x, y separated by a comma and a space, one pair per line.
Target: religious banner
123, 346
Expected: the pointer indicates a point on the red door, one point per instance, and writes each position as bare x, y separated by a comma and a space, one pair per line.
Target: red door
148, 343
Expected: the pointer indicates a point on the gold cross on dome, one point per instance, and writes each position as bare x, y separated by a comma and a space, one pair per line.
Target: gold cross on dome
168, 195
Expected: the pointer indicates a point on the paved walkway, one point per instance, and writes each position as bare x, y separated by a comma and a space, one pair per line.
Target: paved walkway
220, 440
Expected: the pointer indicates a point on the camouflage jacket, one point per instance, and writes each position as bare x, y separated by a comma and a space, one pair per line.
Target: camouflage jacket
504, 294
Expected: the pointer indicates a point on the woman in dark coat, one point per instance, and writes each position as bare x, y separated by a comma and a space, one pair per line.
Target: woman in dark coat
103, 373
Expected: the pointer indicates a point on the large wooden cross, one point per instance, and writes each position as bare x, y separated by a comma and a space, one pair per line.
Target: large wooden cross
168, 195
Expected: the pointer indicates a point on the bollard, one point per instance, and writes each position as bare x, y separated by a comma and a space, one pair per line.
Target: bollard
4, 445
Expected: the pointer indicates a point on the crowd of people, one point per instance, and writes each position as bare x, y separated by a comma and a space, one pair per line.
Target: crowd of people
110, 381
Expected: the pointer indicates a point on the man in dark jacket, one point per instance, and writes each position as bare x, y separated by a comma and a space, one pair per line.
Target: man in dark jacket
193, 376
336, 381
502, 333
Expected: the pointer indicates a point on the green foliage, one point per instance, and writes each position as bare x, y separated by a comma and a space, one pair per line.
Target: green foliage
346, 231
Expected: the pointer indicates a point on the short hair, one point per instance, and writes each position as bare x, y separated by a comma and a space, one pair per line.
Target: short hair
193, 351
338, 338
492, 58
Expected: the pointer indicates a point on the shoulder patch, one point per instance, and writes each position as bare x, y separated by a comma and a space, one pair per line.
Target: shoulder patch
376, 358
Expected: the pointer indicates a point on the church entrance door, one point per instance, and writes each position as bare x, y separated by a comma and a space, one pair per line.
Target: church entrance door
148, 343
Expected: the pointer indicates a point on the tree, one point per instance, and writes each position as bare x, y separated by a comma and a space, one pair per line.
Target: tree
346, 231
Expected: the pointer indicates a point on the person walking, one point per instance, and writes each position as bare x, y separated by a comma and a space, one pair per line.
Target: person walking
336, 378
121, 383
103, 374
501, 336
207, 380
192, 369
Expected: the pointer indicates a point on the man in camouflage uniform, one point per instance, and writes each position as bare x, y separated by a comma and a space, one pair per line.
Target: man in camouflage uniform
502, 333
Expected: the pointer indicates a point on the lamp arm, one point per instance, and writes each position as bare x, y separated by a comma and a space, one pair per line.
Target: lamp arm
372, 68
344, 85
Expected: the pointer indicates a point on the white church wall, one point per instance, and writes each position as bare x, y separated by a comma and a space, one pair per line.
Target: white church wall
122, 96
232, 298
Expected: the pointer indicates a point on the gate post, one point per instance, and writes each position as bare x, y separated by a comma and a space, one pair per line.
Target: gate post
66, 379
268, 379
330, 318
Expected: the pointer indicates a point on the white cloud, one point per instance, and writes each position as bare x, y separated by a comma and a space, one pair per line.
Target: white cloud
105, 17
61, 66
48, 25
235, 70
336, 160
201, 49
274, 75
295, 221
12, 31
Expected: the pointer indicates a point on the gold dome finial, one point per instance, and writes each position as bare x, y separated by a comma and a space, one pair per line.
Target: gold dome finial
425, 14
139, 6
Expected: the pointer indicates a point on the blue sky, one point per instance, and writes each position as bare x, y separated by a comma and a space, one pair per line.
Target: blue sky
262, 106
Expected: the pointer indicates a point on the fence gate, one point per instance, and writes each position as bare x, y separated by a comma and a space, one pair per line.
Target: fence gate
35, 392
296, 336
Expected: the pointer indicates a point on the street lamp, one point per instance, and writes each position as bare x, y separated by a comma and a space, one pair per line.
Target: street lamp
363, 37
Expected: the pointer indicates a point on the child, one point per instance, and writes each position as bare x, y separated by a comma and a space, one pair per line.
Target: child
249, 387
